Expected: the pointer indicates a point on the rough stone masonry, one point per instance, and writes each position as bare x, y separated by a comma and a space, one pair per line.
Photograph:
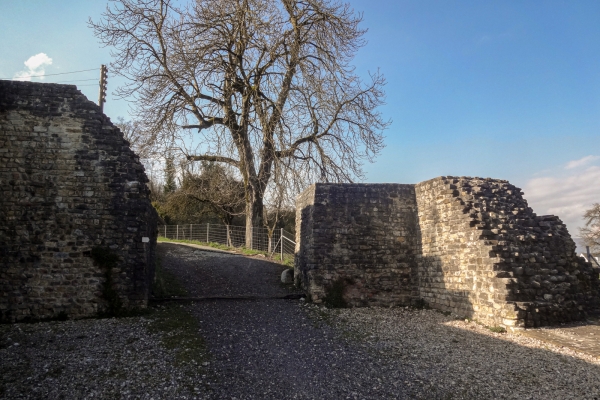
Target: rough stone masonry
470, 246
72, 192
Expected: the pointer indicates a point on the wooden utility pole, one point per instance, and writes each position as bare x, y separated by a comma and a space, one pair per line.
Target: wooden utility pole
103, 83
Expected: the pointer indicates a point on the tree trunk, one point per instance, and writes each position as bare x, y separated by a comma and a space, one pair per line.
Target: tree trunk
254, 214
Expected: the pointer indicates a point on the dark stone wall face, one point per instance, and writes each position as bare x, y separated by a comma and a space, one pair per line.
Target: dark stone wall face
362, 234
470, 246
69, 184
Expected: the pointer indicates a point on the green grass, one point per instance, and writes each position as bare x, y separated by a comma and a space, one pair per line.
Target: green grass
288, 259
209, 244
178, 328
179, 331
497, 329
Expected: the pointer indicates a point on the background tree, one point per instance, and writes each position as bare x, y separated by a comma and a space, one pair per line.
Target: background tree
267, 84
138, 140
170, 184
214, 191
591, 232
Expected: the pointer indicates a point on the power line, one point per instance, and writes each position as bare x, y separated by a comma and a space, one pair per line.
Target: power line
76, 80
60, 73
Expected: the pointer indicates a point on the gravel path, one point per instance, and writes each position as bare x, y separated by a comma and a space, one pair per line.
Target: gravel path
459, 359
273, 349
280, 349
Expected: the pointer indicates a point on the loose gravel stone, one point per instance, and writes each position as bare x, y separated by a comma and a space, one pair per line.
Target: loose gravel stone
281, 349
92, 359
459, 359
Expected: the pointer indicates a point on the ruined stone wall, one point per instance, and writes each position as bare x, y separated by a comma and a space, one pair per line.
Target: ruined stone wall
364, 235
473, 247
69, 183
454, 264
497, 257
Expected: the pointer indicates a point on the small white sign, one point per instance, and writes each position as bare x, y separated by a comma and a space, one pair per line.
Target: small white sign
145, 239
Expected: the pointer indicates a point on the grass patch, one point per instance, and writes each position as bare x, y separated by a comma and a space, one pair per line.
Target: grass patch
209, 244
179, 331
251, 252
165, 283
178, 328
497, 329
288, 259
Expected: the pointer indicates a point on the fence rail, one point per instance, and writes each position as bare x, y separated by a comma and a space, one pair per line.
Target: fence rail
281, 242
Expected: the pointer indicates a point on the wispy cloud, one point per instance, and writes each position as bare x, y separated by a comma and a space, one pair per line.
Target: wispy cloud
36, 65
581, 162
567, 192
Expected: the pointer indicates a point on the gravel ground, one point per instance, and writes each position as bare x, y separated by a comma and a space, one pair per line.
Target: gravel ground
91, 359
279, 349
273, 349
463, 360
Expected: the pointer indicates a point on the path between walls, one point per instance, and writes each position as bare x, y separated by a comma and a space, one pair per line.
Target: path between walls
272, 349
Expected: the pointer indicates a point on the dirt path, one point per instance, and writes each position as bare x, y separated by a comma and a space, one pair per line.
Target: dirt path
271, 349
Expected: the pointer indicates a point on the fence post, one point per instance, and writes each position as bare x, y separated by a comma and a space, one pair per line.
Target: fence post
166, 231
207, 225
251, 237
281, 241
177, 234
191, 237
227, 238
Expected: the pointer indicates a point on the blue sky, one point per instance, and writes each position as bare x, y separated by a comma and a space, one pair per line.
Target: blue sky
502, 89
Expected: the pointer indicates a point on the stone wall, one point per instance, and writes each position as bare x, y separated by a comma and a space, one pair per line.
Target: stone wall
362, 234
470, 246
69, 184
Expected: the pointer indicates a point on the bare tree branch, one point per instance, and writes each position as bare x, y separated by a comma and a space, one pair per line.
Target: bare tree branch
266, 86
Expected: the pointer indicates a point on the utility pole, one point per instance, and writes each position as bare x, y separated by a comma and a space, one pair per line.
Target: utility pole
103, 83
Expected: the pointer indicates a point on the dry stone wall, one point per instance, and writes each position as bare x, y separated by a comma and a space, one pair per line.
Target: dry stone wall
70, 184
471, 246
363, 235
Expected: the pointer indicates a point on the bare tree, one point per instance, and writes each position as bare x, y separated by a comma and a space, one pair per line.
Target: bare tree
134, 134
262, 85
591, 232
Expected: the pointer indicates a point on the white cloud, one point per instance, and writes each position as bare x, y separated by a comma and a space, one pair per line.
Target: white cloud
581, 162
566, 194
36, 65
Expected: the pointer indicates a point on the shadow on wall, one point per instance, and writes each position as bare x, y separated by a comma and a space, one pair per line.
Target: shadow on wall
361, 236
